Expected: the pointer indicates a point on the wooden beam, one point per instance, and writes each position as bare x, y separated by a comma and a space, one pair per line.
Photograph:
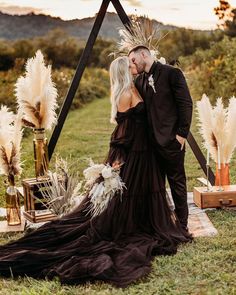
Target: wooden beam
200, 157
120, 11
77, 77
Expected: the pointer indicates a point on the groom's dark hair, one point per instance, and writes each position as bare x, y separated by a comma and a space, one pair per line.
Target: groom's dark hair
138, 48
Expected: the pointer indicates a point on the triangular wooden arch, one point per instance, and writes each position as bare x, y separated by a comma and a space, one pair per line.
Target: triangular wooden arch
78, 75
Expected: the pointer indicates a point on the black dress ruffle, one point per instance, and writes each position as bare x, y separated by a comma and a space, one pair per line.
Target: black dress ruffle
118, 245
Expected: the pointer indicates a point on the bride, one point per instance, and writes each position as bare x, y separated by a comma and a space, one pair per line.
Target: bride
118, 245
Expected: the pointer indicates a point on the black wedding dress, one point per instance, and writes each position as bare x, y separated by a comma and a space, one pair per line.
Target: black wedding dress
118, 245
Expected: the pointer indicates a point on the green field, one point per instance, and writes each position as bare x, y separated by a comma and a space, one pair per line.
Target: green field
206, 266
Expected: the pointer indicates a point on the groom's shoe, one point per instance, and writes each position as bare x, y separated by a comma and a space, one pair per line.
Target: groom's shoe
186, 230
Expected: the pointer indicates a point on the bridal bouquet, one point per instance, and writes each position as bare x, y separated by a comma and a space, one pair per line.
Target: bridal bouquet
103, 182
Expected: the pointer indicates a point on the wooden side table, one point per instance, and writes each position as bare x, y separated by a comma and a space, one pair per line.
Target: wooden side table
215, 198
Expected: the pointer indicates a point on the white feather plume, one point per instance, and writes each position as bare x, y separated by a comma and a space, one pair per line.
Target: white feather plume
220, 119
230, 127
36, 94
217, 127
10, 142
206, 124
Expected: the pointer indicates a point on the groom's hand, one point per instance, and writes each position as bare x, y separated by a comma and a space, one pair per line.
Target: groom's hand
181, 140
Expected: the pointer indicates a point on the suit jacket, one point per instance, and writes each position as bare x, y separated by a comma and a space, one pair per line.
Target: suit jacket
169, 109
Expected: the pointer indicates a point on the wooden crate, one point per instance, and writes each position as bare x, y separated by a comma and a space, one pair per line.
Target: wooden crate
32, 193
215, 198
36, 216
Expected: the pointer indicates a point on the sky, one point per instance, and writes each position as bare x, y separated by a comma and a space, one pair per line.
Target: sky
196, 14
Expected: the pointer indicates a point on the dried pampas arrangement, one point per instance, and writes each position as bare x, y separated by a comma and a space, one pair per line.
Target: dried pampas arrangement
62, 189
10, 142
36, 94
140, 32
217, 127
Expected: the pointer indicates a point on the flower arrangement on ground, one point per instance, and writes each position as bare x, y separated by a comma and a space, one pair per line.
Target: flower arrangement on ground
36, 98
10, 163
217, 127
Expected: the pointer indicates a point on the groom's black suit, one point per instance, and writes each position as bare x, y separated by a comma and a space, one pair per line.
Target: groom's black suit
169, 112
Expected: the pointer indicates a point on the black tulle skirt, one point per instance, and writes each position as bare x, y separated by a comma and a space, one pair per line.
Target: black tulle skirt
118, 245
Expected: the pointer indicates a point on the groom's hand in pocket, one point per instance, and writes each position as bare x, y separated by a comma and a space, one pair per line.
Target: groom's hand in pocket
181, 140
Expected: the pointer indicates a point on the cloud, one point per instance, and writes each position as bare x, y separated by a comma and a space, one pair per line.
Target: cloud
136, 3
130, 2
14, 9
174, 8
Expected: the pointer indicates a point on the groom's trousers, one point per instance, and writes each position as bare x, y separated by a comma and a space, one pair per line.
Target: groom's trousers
171, 163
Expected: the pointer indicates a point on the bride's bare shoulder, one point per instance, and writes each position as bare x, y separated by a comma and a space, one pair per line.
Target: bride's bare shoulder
125, 101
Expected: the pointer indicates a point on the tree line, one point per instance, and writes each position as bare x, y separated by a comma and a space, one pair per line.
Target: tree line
62, 50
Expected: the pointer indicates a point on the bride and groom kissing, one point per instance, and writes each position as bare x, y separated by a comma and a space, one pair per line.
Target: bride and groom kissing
153, 116
169, 112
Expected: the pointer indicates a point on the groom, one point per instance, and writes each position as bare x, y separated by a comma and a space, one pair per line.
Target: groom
169, 111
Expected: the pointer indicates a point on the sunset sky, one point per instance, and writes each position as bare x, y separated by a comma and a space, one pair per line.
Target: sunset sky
197, 14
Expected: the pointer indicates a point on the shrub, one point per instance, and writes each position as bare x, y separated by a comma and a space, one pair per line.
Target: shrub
94, 84
213, 71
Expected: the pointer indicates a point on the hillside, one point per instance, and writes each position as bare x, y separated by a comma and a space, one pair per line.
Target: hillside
14, 27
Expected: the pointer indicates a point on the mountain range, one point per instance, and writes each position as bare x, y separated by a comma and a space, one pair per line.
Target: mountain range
13, 27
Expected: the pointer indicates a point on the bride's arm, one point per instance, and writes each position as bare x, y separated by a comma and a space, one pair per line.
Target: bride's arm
121, 137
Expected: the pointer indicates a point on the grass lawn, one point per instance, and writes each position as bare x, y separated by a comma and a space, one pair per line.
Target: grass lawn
206, 266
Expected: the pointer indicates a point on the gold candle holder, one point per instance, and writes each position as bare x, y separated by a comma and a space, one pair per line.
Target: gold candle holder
41, 161
12, 203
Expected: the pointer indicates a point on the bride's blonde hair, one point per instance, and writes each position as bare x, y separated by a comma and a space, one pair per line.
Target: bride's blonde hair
121, 80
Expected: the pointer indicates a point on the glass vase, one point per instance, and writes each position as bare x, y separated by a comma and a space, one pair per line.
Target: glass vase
12, 204
41, 161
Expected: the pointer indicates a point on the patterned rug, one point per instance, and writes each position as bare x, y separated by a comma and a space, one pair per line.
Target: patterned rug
199, 224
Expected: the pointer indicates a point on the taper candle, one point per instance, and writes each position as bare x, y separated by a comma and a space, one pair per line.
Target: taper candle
219, 163
208, 156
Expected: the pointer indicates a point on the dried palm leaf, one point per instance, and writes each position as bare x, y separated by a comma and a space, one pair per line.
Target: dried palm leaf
27, 123
10, 142
4, 163
214, 141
